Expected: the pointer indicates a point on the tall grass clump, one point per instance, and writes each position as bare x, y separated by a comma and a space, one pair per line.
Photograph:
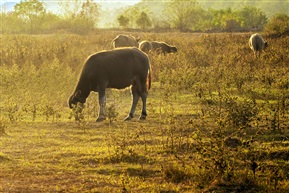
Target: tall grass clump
3, 126
38, 72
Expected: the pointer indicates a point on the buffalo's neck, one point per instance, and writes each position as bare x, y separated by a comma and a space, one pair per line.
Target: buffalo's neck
84, 87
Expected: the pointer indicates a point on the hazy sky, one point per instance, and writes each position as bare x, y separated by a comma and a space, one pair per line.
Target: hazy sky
51, 5
131, 1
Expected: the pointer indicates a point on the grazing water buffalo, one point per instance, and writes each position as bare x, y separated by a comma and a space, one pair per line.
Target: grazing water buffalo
162, 47
125, 41
118, 69
145, 46
257, 44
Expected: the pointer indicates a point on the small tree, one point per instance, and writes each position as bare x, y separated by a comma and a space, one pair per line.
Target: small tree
50, 21
252, 17
143, 21
80, 15
123, 21
128, 17
89, 13
31, 12
182, 14
278, 25
225, 19
11, 23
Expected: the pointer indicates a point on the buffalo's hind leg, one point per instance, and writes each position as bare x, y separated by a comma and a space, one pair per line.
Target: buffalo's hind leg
144, 111
135, 98
102, 101
142, 91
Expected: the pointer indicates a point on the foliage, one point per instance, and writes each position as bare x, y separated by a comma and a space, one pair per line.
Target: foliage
278, 25
31, 16
240, 113
31, 13
111, 113
143, 21
123, 21
252, 17
193, 15
10, 23
80, 16
182, 15
134, 17
175, 174
3, 126
247, 18
217, 118
226, 20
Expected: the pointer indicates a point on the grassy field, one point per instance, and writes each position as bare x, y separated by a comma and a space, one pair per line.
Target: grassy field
218, 119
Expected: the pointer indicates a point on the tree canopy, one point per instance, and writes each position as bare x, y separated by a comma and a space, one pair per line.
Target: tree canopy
32, 16
30, 12
182, 14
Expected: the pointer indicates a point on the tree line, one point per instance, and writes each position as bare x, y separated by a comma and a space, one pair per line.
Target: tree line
31, 16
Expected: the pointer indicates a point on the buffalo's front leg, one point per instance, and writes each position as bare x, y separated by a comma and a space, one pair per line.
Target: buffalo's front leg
135, 98
102, 101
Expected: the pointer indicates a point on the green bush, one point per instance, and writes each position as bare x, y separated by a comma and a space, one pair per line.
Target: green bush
278, 25
240, 113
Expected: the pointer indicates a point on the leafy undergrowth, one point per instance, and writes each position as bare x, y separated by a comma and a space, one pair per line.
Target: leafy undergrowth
217, 118
171, 151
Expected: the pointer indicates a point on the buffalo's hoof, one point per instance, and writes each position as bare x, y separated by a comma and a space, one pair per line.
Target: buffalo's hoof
142, 117
101, 118
128, 118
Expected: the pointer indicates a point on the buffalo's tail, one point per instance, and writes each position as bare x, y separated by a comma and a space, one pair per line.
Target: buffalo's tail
113, 43
149, 79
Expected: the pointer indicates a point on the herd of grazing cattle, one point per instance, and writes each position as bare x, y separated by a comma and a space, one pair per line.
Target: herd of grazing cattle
145, 46
256, 43
128, 65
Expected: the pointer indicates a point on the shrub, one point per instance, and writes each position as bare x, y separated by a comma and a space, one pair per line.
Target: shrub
240, 113
175, 174
3, 126
278, 25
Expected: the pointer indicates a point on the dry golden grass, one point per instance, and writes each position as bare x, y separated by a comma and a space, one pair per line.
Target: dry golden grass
217, 118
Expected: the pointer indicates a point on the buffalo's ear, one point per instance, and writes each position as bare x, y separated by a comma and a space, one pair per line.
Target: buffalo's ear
77, 93
138, 39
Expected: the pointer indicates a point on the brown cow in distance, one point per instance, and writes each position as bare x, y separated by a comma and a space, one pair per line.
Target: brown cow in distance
145, 46
162, 47
125, 41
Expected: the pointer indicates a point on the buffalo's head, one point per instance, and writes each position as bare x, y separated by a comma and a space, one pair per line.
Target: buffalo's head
75, 98
173, 49
265, 44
